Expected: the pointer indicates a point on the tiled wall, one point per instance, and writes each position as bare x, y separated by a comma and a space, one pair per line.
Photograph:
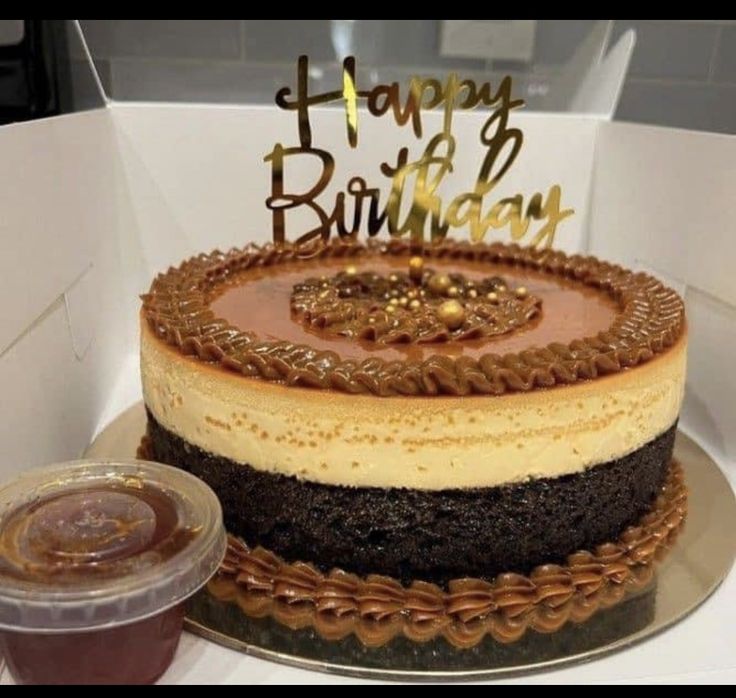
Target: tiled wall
683, 73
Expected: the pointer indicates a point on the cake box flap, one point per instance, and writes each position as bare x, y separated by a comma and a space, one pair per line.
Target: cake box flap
69, 308
662, 201
55, 172
663, 197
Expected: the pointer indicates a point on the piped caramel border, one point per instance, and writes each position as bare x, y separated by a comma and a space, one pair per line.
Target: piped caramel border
651, 319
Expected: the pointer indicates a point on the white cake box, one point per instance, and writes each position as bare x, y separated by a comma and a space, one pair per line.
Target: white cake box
92, 204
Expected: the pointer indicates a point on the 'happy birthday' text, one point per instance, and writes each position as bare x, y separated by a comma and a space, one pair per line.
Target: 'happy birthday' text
413, 206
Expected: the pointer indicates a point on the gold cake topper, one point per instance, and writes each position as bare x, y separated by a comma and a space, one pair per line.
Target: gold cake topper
424, 210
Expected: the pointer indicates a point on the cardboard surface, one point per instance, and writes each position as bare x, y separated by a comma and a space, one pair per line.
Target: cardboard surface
665, 197
56, 209
69, 315
51, 403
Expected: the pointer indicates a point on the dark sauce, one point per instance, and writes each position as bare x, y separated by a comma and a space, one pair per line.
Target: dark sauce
137, 653
84, 535
74, 540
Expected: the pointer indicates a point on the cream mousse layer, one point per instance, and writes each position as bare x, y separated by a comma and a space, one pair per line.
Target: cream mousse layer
427, 443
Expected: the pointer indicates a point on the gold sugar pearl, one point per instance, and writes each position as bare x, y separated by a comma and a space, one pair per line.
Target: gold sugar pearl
371, 321
492, 296
453, 292
394, 301
472, 293
393, 278
439, 283
502, 288
403, 301
351, 270
452, 314
390, 309
416, 267
521, 292
415, 304
411, 293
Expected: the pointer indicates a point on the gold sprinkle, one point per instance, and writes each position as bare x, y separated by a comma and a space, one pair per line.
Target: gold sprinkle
390, 308
521, 292
371, 321
472, 293
453, 292
403, 301
393, 278
439, 283
452, 314
394, 301
324, 294
351, 270
415, 304
411, 293
492, 296
502, 288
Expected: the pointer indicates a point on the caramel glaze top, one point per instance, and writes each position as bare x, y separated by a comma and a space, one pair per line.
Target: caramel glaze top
641, 318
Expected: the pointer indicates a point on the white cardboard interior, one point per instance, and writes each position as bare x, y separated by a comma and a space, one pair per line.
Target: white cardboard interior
94, 203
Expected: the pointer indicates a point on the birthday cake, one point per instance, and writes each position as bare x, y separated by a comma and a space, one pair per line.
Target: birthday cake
476, 410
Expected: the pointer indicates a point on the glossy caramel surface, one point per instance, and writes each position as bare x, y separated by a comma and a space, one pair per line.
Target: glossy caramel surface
257, 300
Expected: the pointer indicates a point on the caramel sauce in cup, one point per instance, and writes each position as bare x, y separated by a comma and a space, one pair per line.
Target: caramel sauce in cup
96, 561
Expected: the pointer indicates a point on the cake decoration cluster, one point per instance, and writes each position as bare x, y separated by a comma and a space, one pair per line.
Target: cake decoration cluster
420, 305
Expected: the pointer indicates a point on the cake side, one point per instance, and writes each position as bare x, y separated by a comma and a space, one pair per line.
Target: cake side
423, 443
494, 409
431, 535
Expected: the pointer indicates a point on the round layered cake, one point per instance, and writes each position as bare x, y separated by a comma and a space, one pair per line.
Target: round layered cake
466, 411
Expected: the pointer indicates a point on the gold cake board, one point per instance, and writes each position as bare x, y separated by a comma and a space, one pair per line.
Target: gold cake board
685, 578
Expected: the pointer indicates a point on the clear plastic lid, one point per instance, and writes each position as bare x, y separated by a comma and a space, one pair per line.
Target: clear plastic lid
92, 544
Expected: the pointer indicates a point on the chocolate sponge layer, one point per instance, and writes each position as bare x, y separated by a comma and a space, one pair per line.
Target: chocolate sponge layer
434, 535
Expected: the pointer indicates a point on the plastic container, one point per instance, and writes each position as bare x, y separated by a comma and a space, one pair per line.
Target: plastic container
96, 561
